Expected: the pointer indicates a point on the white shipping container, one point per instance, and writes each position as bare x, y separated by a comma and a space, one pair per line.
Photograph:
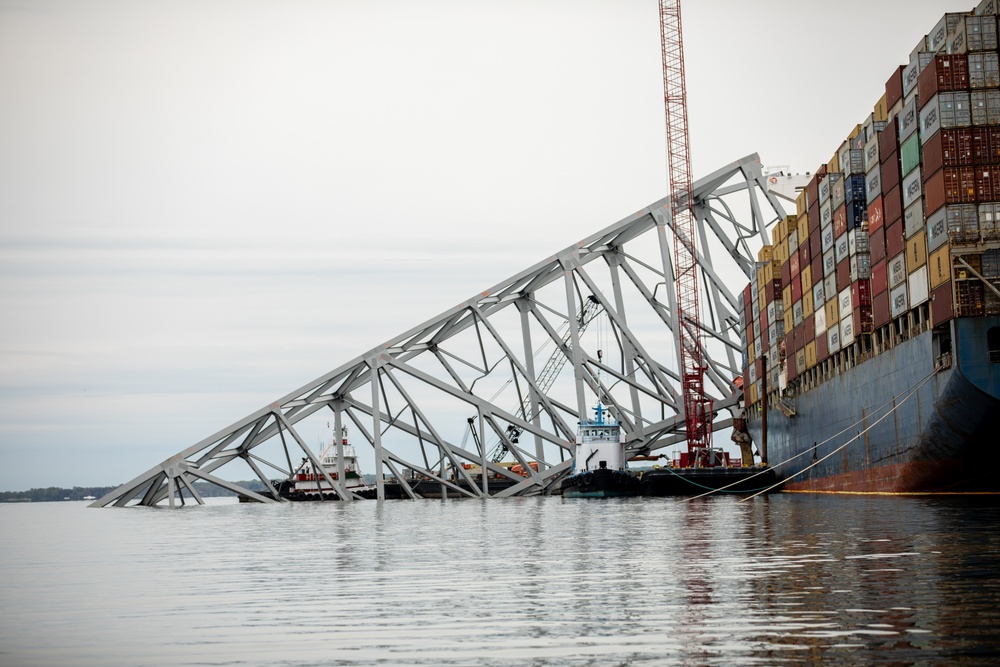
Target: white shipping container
984, 107
841, 248
860, 241
830, 264
913, 217
910, 73
897, 270
793, 240
873, 185
984, 70
944, 110
819, 294
871, 154
989, 220
829, 287
937, 230
986, 8
825, 214
797, 313
827, 240
908, 119
917, 286
820, 320
770, 314
833, 337
861, 267
911, 187
753, 372
845, 301
847, 330
756, 328
897, 301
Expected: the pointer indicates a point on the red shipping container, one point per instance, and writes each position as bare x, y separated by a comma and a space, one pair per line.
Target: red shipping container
793, 265
892, 205
880, 277
844, 274
812, 192
786, 273
981, 148
840, 220
861, 293
894, 87
949, 148
987, 182
993, 153
814, 220
875, 215
878, 245
815, 243
880, 309
949, 185
942, 308
808, 330
945, 72
805, 255
747, 295
891, 172
864, 321
822, 348
796, 289
894, 239
888, 140
817, 267
790, 366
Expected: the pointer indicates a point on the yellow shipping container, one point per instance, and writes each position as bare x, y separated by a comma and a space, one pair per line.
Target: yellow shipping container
939, 268
784, 253
855, 132
833, 310
765, 254
786, 296
881, 111
762, 300
810, 354
806, 276
753, 393
916, 251
807, 304
833, 166
801, 205
803, 228
789, 320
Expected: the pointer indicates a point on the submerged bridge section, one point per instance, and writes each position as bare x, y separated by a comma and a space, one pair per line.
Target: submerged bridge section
479, 369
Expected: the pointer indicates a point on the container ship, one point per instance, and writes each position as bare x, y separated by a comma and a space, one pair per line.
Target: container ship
871, 333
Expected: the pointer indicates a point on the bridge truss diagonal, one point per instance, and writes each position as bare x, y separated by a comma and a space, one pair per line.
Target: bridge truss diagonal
411, 402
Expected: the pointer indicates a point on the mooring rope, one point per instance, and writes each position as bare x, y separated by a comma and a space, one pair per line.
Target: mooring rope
910, 394
819, 444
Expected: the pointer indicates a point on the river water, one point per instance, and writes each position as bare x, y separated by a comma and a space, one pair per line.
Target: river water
785, 579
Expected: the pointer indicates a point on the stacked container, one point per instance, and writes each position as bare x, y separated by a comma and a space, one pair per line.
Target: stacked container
906, 211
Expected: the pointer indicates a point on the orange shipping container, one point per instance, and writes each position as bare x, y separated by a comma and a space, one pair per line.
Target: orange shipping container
939, 269
916, 251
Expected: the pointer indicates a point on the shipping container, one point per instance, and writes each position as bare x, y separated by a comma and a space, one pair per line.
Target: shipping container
880, 309
894, 239
909, 154
811, 357
985, 145
892, 203
807, 305
833, 337
949, 148
845, 302
908, 120
888, 140
984, 107
937, 229
939, 266
913, 218
916, 252
829, 263
843, 273
944, 111
839, 221
829, 286
898, 303
880, 277
894, 88
942, 309
937, 38
873, 185
805, 276
797, 313
871, 153
962, 221
911, 188
989, 220
875, 215
877, 245
847, 330
825, 214
818, 293
916, 286
855, 188
987, 182
975, 33
944, 73
949, 185
858, 241
861, 267
841, 248
819, 320
983, 71
910, 73
969, 298
890, 173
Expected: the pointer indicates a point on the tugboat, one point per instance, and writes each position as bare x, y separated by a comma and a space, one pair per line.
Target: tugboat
599, 469
307, 483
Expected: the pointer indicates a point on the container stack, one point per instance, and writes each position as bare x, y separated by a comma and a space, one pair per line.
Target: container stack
901, 227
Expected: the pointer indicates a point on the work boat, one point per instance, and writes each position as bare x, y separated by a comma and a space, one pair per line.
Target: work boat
308, 483
599, 469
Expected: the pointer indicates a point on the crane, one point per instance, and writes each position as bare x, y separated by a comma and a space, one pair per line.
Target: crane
550, 371
697, 405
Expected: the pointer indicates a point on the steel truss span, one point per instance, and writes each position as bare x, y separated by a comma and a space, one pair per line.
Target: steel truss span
480, 368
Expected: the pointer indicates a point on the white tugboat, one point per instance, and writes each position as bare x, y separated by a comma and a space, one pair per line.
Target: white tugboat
599, 467
308, 483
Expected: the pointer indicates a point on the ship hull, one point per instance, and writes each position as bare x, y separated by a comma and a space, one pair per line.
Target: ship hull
694, 481
935, 436
601, 483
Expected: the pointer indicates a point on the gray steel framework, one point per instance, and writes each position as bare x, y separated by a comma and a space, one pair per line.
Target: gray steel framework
475, 365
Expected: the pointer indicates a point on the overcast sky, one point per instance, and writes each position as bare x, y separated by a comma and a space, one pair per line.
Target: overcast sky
206, 204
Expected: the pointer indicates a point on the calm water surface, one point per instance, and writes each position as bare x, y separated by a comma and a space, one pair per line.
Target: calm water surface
789, 579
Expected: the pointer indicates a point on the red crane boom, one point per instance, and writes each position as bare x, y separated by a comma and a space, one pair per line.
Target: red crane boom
697, 406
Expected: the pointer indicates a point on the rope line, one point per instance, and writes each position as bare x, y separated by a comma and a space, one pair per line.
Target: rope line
819, 444
911, 393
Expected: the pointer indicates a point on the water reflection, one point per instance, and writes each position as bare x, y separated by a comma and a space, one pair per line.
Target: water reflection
543, 581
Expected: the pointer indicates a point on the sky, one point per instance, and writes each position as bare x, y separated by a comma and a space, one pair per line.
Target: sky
205, 205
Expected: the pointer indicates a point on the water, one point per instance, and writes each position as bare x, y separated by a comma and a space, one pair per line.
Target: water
788, 579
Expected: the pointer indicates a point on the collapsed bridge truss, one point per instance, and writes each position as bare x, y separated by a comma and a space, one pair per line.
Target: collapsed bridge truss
473, 367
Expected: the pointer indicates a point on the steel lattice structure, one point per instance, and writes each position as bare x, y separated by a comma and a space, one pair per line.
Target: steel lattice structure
411, 398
